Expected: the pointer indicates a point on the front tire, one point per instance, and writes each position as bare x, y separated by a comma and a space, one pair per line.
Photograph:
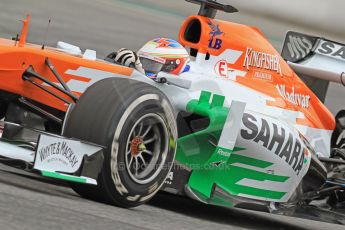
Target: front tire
135, 122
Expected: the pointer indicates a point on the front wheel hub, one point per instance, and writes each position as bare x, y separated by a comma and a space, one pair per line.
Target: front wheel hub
137, 146
147, 147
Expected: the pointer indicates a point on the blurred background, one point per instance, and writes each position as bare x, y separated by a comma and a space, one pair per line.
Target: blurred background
106, 25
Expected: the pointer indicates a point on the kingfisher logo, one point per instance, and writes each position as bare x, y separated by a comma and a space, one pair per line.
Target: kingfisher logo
262, 60
214, 42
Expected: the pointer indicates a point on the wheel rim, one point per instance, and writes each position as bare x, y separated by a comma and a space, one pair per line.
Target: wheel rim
146, 148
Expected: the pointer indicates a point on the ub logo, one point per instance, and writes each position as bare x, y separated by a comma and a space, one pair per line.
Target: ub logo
214, 42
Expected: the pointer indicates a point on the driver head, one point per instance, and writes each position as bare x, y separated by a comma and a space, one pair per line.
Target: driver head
164, 54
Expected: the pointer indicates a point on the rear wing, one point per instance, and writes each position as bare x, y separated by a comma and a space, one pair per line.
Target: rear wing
316, 60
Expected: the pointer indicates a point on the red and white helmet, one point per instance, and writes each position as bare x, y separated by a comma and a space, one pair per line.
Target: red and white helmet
164, 54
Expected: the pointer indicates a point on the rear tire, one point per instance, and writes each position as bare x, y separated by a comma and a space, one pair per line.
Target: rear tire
135, 122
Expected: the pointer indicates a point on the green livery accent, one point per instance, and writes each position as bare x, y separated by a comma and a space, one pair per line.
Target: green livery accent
215, 165
195, 148
63, 177
228, 175
220, 156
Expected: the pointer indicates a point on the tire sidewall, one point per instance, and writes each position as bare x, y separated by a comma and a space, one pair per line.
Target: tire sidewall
117, 177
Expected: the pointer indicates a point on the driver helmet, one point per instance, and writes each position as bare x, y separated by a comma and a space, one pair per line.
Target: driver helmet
164, 54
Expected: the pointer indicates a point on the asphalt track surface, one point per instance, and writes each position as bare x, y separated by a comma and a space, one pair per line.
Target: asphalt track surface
28, 201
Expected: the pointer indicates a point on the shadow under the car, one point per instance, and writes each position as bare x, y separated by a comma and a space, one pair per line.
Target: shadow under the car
233, 216
188, 207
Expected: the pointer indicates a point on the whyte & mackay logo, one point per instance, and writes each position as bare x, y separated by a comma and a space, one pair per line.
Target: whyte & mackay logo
60, 150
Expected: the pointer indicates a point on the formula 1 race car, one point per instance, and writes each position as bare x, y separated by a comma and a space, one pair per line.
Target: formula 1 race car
240, 129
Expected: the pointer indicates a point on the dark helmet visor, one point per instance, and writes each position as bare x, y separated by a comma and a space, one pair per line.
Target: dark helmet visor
150, 65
